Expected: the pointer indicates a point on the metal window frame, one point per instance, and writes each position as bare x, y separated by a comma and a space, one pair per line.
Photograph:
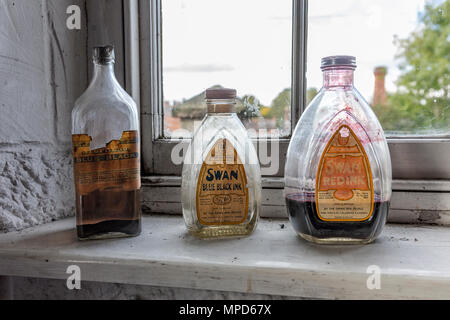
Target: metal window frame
157, 149
421, 158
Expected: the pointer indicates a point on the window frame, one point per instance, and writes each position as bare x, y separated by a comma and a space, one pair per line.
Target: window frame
156, 148
421, 184
419, 158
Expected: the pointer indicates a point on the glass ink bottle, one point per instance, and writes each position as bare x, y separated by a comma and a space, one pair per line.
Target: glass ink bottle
106, 156
338, 171
221, 188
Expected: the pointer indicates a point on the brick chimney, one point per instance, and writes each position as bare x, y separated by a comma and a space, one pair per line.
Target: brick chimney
380, 95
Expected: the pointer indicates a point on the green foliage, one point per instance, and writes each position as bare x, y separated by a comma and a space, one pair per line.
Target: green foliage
422, 101
249, 107
280, 105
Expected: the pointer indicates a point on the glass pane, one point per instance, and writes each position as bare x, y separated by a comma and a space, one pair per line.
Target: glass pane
244, 45
403, 51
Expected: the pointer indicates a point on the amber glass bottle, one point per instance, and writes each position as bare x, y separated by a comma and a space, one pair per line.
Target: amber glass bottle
338, 170
106, 156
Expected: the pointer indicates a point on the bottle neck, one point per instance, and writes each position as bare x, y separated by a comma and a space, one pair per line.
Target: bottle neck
104, 73
217, 106
338, 78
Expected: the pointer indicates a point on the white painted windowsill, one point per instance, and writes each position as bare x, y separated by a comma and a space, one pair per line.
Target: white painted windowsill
414, 260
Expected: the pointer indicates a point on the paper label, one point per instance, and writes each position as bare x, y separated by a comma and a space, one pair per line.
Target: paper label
114, 167
344, 186
222, 191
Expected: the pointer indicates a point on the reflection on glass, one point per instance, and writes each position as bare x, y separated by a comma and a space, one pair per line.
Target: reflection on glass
239, 44
403, 49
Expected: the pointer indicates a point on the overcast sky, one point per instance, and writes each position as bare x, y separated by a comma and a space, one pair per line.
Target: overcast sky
246, 44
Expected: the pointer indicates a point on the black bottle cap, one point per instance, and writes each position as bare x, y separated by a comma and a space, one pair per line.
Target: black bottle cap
339, 61
104, 54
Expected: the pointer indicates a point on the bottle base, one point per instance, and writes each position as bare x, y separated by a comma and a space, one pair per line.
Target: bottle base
109, 230
336, 241
212, 233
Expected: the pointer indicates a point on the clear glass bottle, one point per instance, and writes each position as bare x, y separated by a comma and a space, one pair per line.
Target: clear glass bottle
338, 172
221, 189
106, 153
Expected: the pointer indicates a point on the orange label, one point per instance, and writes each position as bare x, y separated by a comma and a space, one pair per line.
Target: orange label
222, 192
344, 186
116, 166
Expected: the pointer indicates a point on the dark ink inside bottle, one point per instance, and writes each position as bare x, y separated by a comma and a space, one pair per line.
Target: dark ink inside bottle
306, 222
109, 214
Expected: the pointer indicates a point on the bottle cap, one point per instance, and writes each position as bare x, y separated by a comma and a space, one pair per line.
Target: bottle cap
339, 61
221, 94
104, 54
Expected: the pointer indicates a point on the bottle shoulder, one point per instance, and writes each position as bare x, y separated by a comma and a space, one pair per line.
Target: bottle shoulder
332, 108
214, 129
215, 126
101, 111
92, 97
106, 105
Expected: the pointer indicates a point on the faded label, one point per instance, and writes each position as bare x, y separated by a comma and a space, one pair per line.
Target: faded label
344, 187
222, 191
116, 166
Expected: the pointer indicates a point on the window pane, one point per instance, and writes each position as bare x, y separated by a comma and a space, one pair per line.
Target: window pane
403, 51
245, 45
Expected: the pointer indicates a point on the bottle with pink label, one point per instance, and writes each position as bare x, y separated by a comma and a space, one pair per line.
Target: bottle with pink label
338, 172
